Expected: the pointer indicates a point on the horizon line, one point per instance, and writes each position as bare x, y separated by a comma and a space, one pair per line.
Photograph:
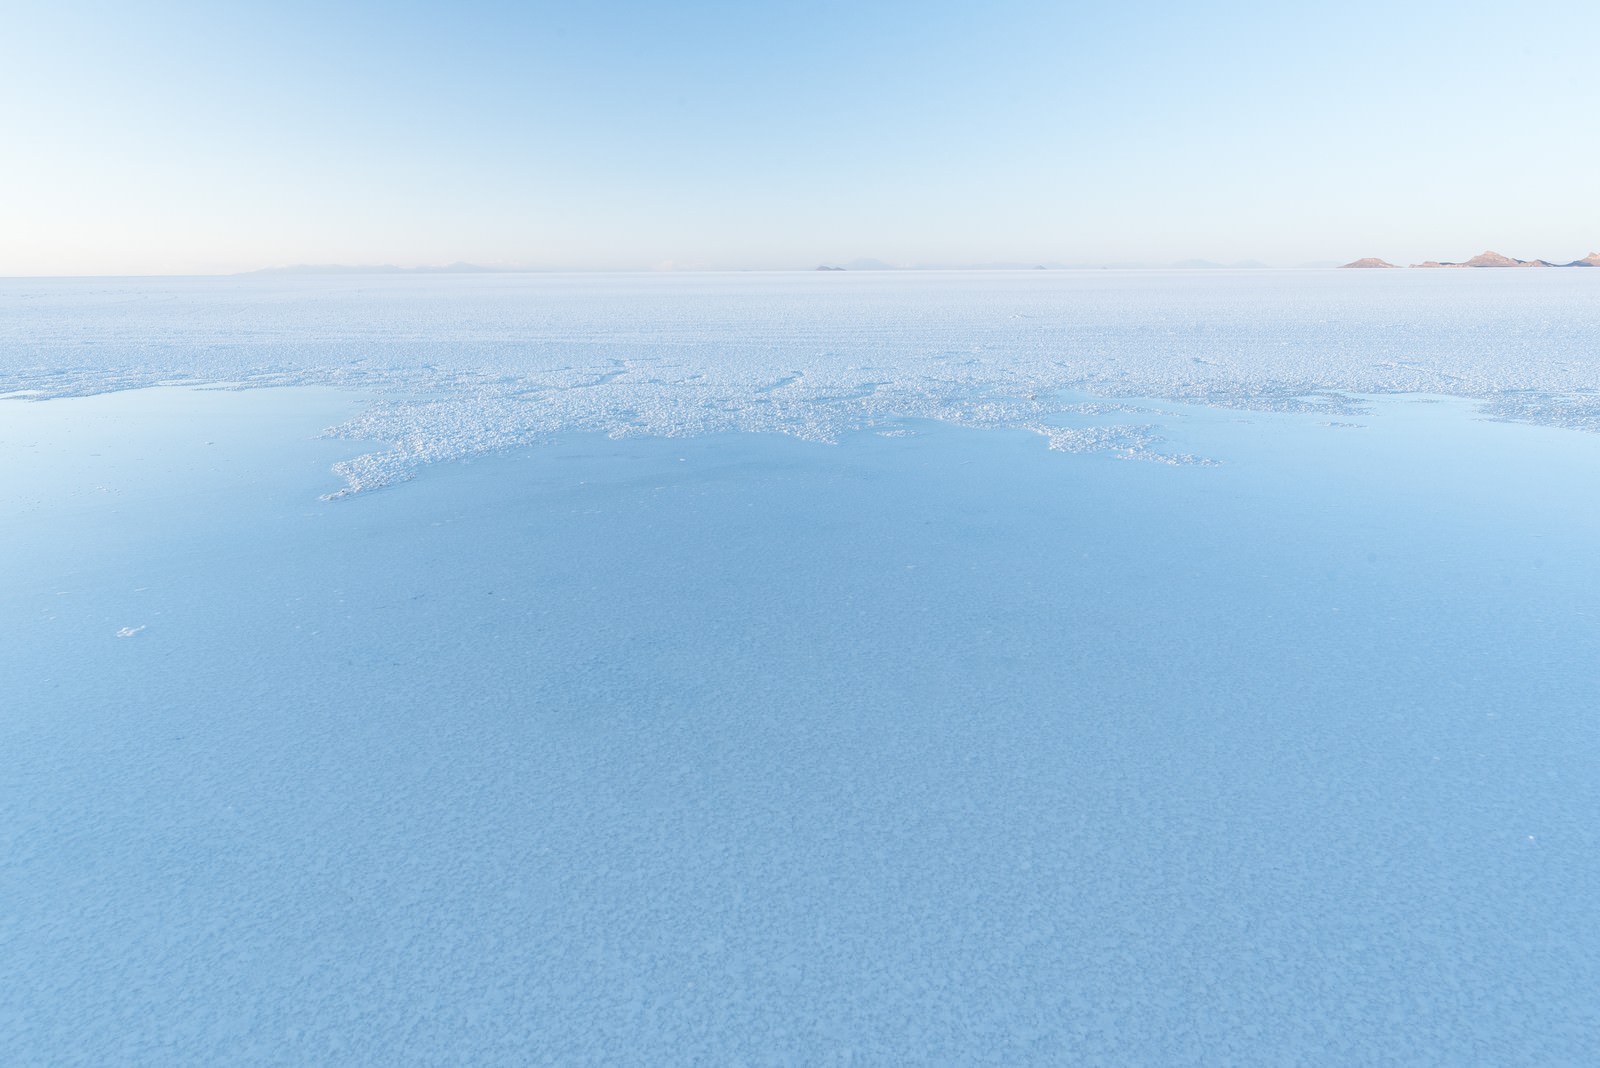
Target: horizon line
472, 269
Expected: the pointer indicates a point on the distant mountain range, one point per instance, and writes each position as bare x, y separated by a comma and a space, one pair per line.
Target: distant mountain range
1484, 259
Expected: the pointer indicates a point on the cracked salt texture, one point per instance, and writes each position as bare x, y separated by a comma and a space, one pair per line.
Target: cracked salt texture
478, 363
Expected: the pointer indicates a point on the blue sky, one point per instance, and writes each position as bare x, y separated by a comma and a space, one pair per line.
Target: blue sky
176, 137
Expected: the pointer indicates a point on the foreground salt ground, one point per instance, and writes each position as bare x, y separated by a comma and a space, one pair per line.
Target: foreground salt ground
936, 747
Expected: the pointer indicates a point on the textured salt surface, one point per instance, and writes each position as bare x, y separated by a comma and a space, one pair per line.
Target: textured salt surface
931, 748
478, 363
736, 748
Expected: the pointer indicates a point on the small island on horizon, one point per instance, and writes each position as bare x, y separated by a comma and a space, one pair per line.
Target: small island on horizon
1483, 259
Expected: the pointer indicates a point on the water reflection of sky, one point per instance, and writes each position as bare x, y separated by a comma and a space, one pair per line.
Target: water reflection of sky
744, 747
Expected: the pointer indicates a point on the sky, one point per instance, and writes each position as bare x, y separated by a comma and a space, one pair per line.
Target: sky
176, 138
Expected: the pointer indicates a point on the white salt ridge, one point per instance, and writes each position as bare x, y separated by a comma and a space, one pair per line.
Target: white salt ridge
478, 419
1128, 442
480, 363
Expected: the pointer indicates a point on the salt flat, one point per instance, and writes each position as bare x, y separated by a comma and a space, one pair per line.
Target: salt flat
659, 723
475, 363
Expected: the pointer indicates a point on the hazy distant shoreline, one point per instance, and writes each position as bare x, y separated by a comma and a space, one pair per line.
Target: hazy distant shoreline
858, 266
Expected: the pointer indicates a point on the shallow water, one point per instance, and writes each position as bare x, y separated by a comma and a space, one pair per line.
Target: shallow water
937, 746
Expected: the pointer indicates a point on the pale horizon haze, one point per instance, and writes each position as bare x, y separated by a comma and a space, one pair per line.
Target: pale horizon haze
180, 138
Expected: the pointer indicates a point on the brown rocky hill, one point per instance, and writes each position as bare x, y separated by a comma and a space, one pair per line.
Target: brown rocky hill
1488, 259
1484, 259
